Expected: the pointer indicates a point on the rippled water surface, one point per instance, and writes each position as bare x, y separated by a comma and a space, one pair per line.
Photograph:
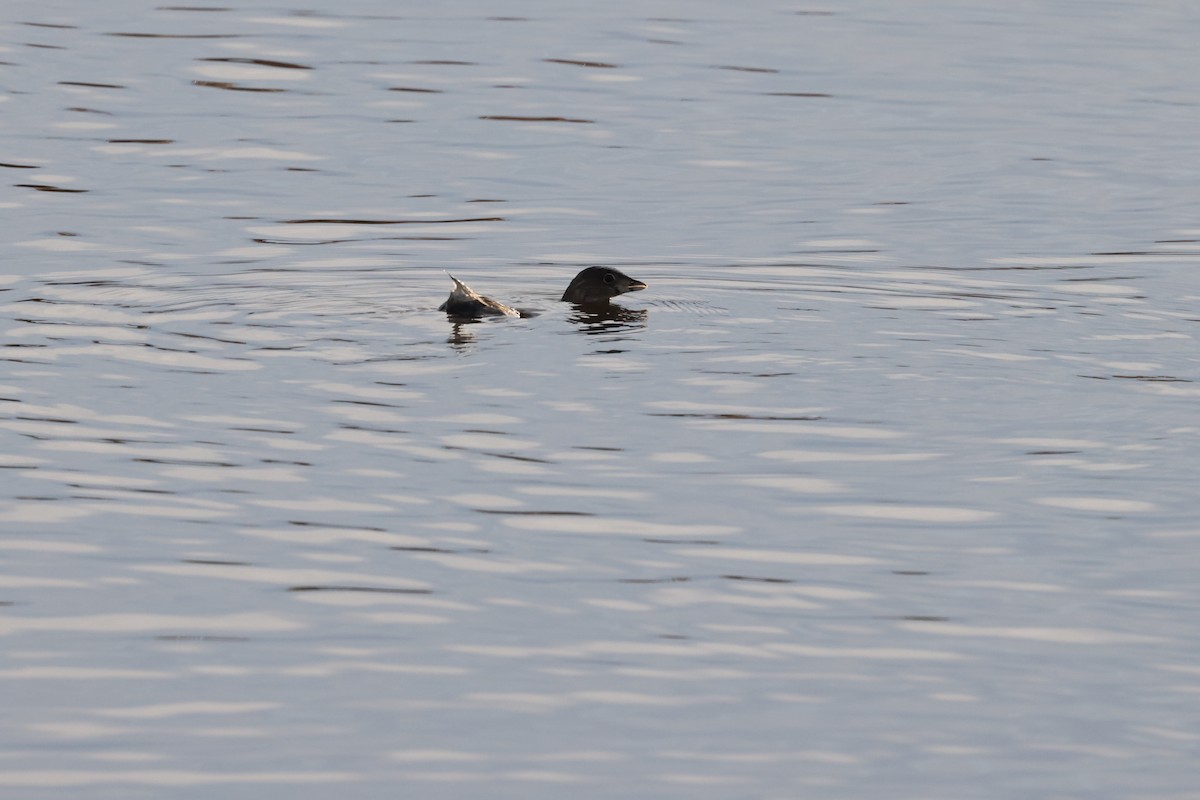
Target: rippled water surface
885, 487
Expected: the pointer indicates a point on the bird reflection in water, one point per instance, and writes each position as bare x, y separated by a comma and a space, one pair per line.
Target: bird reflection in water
608, 318
461, 338
588, 319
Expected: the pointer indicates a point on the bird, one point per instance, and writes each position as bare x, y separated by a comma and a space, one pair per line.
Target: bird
466, 302
593, 286
598, 285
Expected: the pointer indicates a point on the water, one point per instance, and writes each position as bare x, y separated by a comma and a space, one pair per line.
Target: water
884, 487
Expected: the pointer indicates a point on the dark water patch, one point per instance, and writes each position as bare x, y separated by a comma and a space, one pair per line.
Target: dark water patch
416, 549
260, 61
297, 243
376, 429
335, 221
592, 64
141, 141
448, 63
142, 35
45, 187
508, 456
1127, 253
731, 415
50, 25
1010, 267
756, 579
508, 512
19, 166
671, 579
235, 87
215, 562
797, 94
510, 118
306, 524
415, 90
200, 336
182, 462
369, 403
91, 85
765, 70
367, 589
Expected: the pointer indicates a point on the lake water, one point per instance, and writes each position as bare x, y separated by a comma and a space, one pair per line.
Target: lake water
886, 487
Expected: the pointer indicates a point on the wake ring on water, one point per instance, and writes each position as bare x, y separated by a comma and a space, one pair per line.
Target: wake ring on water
685, 306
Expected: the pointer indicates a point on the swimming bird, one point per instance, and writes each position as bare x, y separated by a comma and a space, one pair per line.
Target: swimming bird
466, 302
594, 286
598, 285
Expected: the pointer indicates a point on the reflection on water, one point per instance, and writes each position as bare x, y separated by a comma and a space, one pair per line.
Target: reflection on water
608, 319
907, 410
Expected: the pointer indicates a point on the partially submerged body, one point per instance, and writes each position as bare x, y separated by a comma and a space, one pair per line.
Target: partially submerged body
466, 302
592, 287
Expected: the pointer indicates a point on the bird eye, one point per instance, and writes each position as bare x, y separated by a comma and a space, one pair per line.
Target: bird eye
609, 277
